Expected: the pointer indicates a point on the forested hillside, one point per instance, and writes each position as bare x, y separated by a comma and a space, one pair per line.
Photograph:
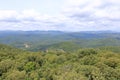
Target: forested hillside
68, 41
83, 64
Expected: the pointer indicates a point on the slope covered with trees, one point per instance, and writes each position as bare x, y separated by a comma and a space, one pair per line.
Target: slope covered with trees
82, 64
68, 41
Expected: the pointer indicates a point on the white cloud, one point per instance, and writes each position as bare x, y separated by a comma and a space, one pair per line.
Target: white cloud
27, 20
77, 15
94, 14
7, 14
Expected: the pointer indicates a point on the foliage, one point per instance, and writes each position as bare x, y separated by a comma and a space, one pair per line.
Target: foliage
84, 64
68, 41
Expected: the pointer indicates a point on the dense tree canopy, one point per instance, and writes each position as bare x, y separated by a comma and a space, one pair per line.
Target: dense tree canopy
83, 64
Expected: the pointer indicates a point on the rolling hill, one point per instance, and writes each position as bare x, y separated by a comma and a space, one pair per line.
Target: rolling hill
42, 40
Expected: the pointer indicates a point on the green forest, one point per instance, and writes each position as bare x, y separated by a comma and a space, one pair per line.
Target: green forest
82, 64
59, 39
68, 41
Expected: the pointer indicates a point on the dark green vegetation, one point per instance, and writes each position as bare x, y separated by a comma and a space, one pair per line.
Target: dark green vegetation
59, 55
68, 41
83, 64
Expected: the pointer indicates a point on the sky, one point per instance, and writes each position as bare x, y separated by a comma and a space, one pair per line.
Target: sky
62, 15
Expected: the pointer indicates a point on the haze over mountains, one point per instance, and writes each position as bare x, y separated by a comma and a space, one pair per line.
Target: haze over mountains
43, 40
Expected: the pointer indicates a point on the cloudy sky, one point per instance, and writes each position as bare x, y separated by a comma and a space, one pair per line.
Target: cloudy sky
63, 15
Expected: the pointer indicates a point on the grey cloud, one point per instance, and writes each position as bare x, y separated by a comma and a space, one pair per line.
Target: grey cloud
80, 15
29, 19
13, 20
86, 15
83, 18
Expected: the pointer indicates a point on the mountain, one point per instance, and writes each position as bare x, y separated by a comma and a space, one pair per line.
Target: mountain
43, 40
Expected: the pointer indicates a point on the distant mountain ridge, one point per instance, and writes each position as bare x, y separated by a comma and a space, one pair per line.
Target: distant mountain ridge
42, 40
